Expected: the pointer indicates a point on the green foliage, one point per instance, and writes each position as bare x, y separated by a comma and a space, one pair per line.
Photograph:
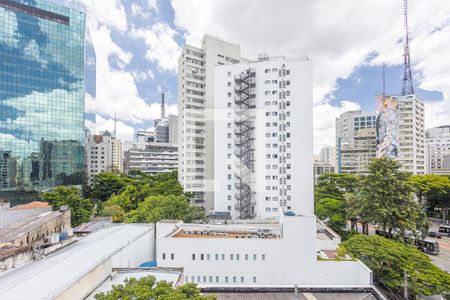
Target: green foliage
106, 184
432, 190
335, 186
385, 197
332, 211
157, 208
147, 288
81, 209
388, 259
114, 211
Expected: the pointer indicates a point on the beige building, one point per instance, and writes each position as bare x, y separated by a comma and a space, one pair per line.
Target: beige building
438, 150
195, 112
355, 152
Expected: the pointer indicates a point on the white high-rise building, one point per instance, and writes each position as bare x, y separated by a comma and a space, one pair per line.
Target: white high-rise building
263, 160
103, 154
195, 103
151, 158
411, 154
328, 155
438, 150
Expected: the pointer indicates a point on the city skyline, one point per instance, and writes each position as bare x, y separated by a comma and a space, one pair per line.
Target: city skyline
348, 58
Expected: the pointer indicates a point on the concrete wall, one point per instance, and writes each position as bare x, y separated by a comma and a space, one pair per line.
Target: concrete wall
83, 287
290, 260
137, 252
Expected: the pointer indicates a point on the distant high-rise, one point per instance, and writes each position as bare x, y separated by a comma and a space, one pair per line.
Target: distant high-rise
195, 111
328, 155
42, 92
355, 141
438, 150
103, 154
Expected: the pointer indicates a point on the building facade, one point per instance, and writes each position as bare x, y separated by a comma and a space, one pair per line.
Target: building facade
354, 149
438, 150
328, 155
261, 163
41, 96
151, 158
103, 154
320, 169
195, 111
411, 134
356, 152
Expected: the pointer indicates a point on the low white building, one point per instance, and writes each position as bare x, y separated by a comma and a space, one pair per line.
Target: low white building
151, 158
255, 255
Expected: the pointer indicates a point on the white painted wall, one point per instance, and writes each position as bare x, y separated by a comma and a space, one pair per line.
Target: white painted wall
299, 147
287, 261
137, 252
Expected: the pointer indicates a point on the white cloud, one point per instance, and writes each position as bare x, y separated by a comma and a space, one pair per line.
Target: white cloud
9, 34
324, 122
138, 11
337, 35
124, 132
153, 4
145, 75
162, 47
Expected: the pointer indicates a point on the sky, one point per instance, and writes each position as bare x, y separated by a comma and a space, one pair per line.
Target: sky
137, 43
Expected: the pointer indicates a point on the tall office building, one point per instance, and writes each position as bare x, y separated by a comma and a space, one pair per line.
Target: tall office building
350, 141
400, 131
263, 138
438, 150
195, 111
103, 154
41, 96
356, 152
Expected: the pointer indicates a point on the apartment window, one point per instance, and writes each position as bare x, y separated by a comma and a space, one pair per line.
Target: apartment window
229, 197
229, 135
231, 256
254, 256
229, 94
226, 279
193, 278
229, 145
234, 279
263, 257
217, 256
229, 125
204, 278
246, 256
172, 256
198, 279
193, 256
267, 71
229, 155
223, 256
254, 279
274, 70
229, 83
210, 278
242, 279
229, 207
229, 187
208, 256
267, 210
237, 256
163, 256
275, 209
267, 93
229, 73
202, 256
229, 176
267, 82
217, 278
229, 104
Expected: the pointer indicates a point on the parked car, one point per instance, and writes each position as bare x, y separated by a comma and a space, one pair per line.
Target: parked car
435, 234
289, 213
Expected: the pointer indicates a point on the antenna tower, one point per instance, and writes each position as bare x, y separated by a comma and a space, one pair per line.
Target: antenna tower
163, 104
407, 88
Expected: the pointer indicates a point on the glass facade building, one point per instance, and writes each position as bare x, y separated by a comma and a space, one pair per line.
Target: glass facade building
41, 96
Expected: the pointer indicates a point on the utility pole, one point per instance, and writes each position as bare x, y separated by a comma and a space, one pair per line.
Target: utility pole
405, 285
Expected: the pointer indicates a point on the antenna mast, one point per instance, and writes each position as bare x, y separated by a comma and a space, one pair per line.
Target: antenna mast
408, 88
163, 104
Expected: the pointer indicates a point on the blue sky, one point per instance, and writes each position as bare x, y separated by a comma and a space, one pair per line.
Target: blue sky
137, 44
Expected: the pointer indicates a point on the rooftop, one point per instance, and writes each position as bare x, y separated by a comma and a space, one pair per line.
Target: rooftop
32, 205
46, 278
13, 230
230, 231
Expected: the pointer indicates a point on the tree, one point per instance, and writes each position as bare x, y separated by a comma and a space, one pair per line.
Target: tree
104, 185
332, 211
335, 186
424, 184
388, 260
80, 208
147, 288
156, 208
385, 197
114, 211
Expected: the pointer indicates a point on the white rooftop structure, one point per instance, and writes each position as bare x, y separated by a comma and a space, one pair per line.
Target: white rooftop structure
77, 270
